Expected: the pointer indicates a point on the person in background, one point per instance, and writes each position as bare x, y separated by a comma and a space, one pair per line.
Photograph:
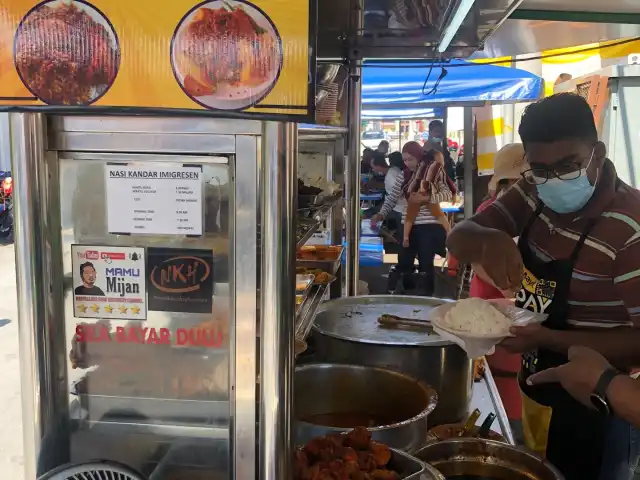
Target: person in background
422, 187
394, 217
508, 164
427, 235
365, 162
383, 147
438, 142
379, 168
578, 261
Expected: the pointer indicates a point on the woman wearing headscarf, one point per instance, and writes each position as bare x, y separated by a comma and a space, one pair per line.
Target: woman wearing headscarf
427, 235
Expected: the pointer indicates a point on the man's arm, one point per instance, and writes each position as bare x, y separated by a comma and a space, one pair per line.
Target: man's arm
621, 346
392, 199
507, 214
580, 376
624, 396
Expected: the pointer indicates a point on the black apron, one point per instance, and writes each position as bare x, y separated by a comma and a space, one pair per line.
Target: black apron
575, 433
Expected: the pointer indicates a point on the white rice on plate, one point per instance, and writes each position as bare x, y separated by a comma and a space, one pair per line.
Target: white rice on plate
477, 317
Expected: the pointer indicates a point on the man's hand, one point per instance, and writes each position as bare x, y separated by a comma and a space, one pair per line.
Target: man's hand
501, 260
578, 377
525, 339
377, 218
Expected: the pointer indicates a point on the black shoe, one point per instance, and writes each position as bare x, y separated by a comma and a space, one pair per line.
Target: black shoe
392, 281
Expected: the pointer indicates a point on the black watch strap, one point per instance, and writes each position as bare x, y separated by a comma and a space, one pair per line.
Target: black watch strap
603, 383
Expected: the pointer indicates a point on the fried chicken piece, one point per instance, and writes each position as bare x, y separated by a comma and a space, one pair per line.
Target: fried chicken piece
381, 453
349, 454
384, 475
366, 462
358, 438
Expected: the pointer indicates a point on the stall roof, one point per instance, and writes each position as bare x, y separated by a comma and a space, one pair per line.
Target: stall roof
401, 114
401, 86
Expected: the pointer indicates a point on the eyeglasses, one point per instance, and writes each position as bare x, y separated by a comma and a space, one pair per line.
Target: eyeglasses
564, 171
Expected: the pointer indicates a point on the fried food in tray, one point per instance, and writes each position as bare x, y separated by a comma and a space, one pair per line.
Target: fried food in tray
350, 456
321, 277
319, 252
454, 430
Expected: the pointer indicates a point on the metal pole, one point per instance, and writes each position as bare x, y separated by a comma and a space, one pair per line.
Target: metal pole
277, 303
469, 161
40, 309
353, 183
353, 163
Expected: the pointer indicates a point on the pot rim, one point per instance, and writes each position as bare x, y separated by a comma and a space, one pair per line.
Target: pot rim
432, 395
493, 443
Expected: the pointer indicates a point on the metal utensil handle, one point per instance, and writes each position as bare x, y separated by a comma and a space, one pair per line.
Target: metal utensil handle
470, 423
485, 428
392, 320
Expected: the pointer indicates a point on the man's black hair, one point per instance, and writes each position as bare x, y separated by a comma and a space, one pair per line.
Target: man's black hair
395, 160
85, 265
379, 160
558, 117
436, 123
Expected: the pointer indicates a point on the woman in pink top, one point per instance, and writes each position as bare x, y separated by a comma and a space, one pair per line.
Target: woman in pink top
508, 164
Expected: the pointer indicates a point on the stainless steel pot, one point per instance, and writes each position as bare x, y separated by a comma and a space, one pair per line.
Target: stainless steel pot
347, 331
329, 396
486, 459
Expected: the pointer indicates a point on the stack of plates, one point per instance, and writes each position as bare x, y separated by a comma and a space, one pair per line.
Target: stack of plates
328, 106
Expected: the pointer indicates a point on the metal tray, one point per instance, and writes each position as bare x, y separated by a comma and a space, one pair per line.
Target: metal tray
356, 319
330, 266
305, 279
206, 457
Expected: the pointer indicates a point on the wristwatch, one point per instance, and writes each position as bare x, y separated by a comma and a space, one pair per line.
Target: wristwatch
599, 396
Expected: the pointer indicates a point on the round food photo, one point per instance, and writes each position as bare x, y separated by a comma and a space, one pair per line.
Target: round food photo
226, 54
66, 52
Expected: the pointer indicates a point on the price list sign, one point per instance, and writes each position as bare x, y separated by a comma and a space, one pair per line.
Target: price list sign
155, 200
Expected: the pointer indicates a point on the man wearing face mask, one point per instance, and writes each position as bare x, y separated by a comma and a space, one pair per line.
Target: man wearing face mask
578, 261
437, 142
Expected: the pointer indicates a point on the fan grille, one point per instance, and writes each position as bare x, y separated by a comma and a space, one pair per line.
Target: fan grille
91, 471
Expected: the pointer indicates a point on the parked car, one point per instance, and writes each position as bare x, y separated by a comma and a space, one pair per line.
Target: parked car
372, 139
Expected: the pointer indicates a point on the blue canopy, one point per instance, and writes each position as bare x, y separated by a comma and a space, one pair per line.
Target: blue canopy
399, 88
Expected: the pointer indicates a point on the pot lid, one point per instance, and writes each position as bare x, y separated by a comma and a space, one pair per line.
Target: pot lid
356, 319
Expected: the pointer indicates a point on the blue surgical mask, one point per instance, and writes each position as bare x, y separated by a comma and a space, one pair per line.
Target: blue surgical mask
567, 196
435, 139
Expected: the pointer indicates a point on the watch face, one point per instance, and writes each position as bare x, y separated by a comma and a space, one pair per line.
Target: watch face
599, 403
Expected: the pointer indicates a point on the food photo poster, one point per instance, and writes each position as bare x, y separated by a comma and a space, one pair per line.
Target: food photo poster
221, 55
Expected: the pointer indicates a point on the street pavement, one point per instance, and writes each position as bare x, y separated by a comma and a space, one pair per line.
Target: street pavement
11, 458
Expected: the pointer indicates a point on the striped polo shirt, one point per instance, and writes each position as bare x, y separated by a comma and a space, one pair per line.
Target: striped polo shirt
605, 288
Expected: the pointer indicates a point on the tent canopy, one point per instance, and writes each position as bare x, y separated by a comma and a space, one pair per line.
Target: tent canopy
395, 89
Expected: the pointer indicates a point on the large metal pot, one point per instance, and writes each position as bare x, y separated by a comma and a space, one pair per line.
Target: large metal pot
346, 330
479, 458
331, 398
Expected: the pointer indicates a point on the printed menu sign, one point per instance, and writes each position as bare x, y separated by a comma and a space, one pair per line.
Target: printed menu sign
109, 282
180, 280
154, 200
218, 55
